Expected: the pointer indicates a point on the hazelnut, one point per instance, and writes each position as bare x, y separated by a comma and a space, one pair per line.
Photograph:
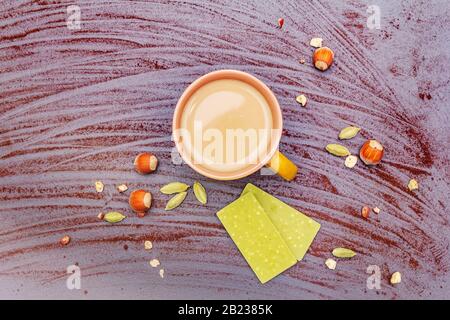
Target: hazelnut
365, 212
323, 58
154, 263
145, 163
371, 152
148, 245
64, 240
140, 201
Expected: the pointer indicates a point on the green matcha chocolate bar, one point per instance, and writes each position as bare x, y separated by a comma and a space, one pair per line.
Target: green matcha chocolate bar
256, 237
297, 230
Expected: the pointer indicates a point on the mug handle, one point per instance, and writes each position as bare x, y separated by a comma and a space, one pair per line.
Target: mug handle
282, 166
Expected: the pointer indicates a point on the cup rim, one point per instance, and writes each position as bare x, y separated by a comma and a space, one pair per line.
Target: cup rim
203, 80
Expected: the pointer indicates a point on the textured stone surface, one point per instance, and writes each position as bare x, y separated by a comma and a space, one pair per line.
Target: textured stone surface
77, 106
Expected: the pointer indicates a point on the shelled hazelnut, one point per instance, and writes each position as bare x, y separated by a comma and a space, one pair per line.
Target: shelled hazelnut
145, 163
323, 58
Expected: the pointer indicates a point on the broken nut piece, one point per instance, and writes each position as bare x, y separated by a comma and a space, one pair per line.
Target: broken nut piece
396, 278
413, 185
140, 201
365, 212
301, 99
330, 263
316, 42
64, 240
161, 273
350, 161
376, 210
122, 188
145, 163
154, 263
148, 245
99, 186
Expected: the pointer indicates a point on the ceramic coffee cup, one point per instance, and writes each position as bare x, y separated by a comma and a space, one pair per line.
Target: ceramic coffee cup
270, 156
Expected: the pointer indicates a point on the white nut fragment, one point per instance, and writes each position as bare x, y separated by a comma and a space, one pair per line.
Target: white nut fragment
301, 99
99, 186
413, 185
161, 273
396, 278
122, 188
350, 161
376, 210
148, 245
330, 263
148, 200
154, 263
153, 163
316, 42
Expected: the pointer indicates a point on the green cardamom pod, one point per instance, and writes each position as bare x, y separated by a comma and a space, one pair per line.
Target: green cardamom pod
200, 192
113, 217
176, 200
174, 187
348, 133
343, 253
337, 150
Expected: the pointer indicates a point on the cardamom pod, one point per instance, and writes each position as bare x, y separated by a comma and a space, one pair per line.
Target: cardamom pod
348, 133
176, 200
174, 187
337, 150
343, 253
113, 217
200, 192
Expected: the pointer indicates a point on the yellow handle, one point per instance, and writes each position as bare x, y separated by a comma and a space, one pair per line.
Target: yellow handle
282, 166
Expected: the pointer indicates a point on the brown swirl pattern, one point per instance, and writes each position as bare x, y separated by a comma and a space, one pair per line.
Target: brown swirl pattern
77, 105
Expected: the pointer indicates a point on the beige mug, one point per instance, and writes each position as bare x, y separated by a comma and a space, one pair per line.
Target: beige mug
269, 156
